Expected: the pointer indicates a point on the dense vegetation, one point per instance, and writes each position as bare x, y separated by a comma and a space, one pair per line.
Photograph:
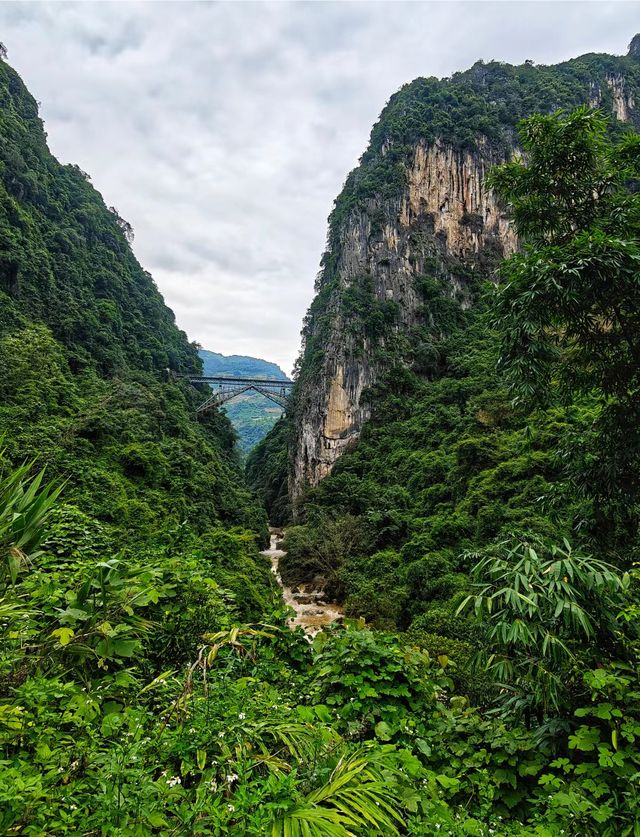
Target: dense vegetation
487, 101
251, 414
489, 509
85, 340
148, 681
450, 459
267, 471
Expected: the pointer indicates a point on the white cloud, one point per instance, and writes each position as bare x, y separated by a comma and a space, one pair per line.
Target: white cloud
224, 131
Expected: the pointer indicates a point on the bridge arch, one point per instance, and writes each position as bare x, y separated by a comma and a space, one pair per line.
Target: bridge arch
225, 388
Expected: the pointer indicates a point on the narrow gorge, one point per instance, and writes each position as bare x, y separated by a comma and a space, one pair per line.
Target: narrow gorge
413, 607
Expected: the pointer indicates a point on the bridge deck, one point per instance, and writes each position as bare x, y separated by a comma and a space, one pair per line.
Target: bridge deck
221, 379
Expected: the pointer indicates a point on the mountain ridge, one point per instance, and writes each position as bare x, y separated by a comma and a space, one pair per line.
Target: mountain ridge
242, 366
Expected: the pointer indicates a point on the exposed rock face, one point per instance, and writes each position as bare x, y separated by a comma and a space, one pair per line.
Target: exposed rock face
433, 217
623, 101
445, 214
449, 187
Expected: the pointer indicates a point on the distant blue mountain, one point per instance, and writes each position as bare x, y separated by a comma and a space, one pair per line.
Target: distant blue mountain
239, 366
251, 414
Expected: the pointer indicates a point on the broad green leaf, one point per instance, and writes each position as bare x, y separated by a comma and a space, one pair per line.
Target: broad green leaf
383, 731
64, 635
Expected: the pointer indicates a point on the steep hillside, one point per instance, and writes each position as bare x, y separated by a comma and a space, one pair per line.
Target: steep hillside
267, 471
416, 225
251, 414
405, 448
85, 341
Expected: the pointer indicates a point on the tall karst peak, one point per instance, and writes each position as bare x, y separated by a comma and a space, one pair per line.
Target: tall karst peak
415, 231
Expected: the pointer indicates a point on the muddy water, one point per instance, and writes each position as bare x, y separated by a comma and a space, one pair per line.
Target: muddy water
313, 612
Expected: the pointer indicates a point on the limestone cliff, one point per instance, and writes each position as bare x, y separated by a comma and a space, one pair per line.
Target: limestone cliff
444, 216
417, 208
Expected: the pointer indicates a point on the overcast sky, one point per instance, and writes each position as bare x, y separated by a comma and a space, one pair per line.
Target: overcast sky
223, 132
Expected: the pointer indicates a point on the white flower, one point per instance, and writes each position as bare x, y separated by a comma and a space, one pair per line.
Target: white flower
242, 716
175, 780
231, 808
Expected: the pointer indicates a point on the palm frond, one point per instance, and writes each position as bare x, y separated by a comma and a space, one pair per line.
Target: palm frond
360, 797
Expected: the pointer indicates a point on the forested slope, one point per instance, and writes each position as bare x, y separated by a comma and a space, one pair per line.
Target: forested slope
464, 438
402, 424
85, 342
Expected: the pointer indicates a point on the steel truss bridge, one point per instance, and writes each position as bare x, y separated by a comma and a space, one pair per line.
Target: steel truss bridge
224, 389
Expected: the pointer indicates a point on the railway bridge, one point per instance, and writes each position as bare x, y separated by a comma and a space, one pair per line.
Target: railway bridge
225, 388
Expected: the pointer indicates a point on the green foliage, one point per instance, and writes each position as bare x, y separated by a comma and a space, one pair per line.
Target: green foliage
321, 548
448, 461
373, 682
479, 107
440, 470
594, 784
450, 466
368, 317
267, 471
568, 309
149, 684
66, 260
25, 505
96, 734
109, 725
548, 610
358, 795
85, 340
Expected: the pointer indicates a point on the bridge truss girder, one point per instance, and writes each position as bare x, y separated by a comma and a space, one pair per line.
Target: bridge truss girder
280, 398
217, 399
226, 393
277, 390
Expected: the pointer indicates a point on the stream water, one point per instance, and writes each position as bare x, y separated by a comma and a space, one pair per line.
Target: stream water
313, 612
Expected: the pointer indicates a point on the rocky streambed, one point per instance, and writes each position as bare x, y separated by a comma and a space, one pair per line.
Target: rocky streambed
312, 611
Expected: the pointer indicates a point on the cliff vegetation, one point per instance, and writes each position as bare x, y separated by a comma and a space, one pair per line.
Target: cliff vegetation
480, 495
